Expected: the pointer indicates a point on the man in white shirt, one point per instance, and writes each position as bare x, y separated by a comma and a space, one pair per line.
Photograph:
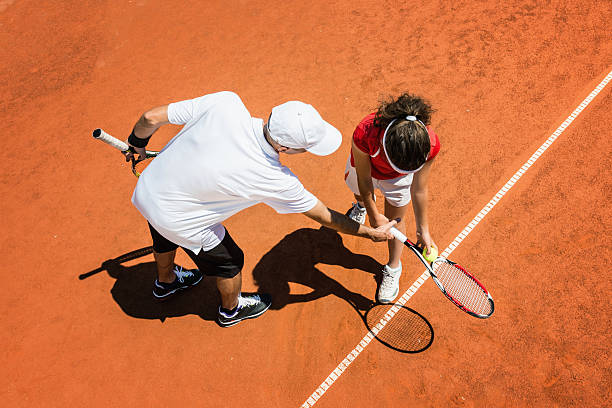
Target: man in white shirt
221, 162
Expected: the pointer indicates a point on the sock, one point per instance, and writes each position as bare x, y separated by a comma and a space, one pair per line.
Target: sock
396, 270
166, 285
360, 205
230, 312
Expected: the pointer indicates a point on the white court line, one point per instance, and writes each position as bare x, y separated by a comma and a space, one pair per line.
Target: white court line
343, 366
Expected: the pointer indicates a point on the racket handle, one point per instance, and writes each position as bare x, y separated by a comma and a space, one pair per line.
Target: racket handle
111, 141
398, 235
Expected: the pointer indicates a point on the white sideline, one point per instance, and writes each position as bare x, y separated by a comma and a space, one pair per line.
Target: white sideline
342, 367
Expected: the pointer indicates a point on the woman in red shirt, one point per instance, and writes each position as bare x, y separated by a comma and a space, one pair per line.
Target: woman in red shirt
393, 150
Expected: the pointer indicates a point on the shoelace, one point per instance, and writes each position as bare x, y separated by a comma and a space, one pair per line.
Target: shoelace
388, 280
181, 275
358, 210
249, 301
358, 214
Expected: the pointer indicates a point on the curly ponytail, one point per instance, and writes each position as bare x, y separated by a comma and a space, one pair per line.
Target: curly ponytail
407, 142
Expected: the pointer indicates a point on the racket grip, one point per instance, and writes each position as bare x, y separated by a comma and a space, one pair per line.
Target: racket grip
110, 140
398, 235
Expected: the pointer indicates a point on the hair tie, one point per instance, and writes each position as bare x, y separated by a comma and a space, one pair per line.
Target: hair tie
413, 118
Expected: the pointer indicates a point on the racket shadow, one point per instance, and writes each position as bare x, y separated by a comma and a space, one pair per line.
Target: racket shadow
294, 260
109, 264
405, 330
133, 287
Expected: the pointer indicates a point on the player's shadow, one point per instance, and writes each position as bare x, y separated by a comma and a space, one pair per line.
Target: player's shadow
133, 291
295, 258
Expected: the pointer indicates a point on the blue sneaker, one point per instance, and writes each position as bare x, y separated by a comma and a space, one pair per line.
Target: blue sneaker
185, 278
249, 307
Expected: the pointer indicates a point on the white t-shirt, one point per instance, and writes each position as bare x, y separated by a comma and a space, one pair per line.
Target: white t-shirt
216, 166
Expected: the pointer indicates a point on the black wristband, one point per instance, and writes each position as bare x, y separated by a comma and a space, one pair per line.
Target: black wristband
136, 141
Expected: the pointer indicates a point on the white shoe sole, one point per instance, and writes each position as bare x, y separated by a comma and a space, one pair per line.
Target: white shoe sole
388, 300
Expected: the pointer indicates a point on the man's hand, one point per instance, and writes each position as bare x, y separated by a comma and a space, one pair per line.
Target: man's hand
382, 233
378, 220
129, 154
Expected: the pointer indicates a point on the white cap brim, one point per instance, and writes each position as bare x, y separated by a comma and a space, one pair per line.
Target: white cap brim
328, 144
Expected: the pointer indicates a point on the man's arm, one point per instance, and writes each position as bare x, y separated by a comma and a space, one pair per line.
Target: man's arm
148, 123
340, 222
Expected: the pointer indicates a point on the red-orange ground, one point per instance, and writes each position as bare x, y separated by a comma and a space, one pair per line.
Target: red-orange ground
502, 77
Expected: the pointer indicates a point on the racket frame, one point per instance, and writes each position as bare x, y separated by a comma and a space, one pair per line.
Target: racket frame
429, 265
123, 147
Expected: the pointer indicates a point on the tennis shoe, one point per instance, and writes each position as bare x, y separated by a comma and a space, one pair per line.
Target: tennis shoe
357, 213
185, 278
389, 286
249, 307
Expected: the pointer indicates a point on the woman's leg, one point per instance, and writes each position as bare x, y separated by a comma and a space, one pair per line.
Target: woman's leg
395, 246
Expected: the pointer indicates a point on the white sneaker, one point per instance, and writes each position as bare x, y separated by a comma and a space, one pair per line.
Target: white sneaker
389, 287
357, 213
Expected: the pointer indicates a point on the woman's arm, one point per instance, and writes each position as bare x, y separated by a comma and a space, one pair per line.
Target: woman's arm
419, 195
366, 188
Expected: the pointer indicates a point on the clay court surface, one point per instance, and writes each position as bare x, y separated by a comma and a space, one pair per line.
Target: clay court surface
502, 78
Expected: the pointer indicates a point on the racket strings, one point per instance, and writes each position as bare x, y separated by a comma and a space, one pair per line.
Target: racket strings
463, 288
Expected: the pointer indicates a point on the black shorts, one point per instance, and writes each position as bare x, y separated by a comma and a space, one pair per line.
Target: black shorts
225, 260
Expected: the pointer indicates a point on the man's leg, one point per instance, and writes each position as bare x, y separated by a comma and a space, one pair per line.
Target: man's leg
165, 266
170, 278
225, 261
229, 288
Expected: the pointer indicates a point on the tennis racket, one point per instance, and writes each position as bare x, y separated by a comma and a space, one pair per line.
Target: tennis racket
138, 165
457, 284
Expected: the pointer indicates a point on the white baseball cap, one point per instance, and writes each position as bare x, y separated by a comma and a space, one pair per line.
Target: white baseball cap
298, 125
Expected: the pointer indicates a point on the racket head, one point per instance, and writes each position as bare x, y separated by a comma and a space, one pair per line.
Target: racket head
462, 288
399, 328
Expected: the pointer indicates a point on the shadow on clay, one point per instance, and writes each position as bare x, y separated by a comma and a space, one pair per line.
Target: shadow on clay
293, 260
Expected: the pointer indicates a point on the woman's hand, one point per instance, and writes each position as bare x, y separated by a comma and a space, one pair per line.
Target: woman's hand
424, 240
